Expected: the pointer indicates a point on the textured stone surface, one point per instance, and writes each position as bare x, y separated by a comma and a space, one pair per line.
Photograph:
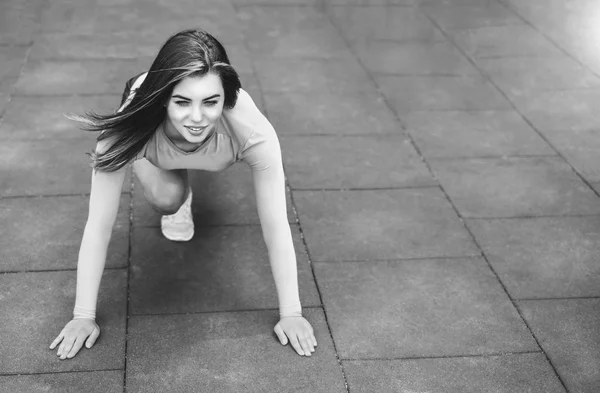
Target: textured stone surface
226, 352
543, 257
51, 167
353, 162
313, 76
419, 308
49, 121
364, 25
45, 233
51, 77
222, 268
12, 59
37, 307
529, 372
580, 149
353, 114
291, 32
382, 224
561, 110
515, 187
504, 41
93, 382
435, 93
474, 134
19, 21
517, 76
415, 58
219, 198
484, 14
568, 333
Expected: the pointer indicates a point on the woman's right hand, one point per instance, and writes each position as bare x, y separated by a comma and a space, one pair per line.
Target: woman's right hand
74, 335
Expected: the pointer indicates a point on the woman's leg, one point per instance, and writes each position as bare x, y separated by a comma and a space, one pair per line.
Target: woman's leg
165, 190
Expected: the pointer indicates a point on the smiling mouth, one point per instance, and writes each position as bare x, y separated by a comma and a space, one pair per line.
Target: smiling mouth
196, 130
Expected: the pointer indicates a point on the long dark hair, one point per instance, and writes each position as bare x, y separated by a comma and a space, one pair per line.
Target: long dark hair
191, 52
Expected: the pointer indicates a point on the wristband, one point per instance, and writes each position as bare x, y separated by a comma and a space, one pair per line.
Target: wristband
84, 313
290, 310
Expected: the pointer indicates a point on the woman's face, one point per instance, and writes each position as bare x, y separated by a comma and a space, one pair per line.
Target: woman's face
194, 107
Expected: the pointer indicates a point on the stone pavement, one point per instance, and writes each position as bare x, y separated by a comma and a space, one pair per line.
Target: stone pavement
443, 172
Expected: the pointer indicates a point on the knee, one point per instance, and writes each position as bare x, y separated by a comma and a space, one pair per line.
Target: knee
166, 199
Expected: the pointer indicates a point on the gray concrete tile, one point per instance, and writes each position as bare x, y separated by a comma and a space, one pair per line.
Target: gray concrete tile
482, 14
221, 268
417, 58
38, 305
353, 162
4, 97
356, 113
93, 382
365, 25
50, 167
505, 41
18, 22
517, 76
52, 77
473, 134
434, 93
12, 59
529, 372
313, 76
226, 352
564, 110
515, 187
373, 2
221, 198
568, 332
45, 233
580, 149
545, 257
419, 308
49, 121
381, 224
291, 32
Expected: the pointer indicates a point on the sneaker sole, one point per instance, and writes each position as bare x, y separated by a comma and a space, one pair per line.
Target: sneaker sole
179, 238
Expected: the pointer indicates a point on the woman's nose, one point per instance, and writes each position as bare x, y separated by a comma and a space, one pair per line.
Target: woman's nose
196, 115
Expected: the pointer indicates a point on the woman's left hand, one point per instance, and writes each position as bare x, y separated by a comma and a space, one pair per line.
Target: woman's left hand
298, 332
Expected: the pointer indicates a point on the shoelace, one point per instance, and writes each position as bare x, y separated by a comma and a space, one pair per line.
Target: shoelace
183, 215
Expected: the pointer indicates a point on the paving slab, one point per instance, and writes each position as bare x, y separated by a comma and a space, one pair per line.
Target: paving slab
528, 372
357, 113
220, 269
219, 198
67, 77
18, 22
353, 162
314, 76
518, 76
474, 134
93, 382
437, 93
365, 25
548, 257
504, 41
291, 32
419, 308
46, 233
226, 352
568, 332
12, 59
513, 187
381, 224
580, 149
49, 122
482, 14
51, 167
39, 305
561, 110
415, 58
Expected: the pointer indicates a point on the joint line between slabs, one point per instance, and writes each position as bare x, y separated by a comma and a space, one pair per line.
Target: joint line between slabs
272, 309
57, 372
485, 355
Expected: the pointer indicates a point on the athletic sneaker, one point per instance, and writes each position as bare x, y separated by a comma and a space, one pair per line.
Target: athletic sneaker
179, 227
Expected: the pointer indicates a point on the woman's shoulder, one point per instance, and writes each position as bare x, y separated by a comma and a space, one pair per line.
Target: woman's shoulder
245, 118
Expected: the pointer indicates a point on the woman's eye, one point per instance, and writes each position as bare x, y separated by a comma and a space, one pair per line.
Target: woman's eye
211, 103
182, 103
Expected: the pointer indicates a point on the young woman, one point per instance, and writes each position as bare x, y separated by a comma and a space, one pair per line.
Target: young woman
187, 112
